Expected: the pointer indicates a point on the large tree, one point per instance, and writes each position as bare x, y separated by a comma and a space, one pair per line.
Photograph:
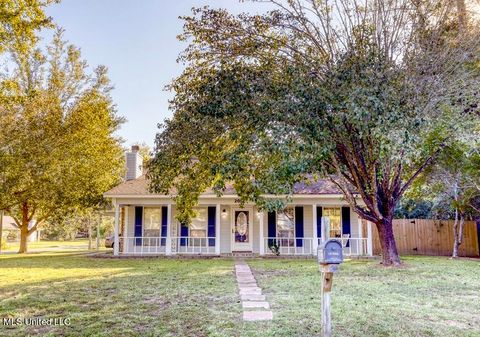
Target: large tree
57, 144
365, 93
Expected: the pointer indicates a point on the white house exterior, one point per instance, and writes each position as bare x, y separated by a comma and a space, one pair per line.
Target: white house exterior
145, 223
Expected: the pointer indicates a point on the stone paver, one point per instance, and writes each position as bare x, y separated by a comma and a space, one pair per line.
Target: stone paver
257, 315
251, 295
251, 291
255, 304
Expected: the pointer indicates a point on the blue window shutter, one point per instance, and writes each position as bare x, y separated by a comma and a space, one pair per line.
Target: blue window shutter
272, 227
299, 225
346, 222
138, 225
319, 221
211, 225
183, 233
163, 233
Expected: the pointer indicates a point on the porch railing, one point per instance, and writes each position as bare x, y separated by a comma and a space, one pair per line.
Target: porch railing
193, 245
142, 245
352, 246
288, 246
304, 246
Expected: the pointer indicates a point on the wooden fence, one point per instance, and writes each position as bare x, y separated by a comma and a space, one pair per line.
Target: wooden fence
430, 237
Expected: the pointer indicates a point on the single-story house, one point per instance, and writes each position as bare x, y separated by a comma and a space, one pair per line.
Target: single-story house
11, 232
145, 222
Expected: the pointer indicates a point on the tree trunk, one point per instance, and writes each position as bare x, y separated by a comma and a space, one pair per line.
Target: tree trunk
458, 227
23, 237
387, 242
89, 235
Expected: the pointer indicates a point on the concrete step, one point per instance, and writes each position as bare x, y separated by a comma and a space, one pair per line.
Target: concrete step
255, 304
257, 315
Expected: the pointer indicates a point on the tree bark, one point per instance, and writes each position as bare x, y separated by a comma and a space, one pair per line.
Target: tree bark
458, 227
390, 255
89, 234
23, 237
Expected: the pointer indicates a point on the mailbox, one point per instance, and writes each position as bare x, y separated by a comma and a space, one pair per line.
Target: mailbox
330, 252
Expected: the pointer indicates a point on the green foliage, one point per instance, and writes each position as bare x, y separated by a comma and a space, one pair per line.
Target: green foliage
57, 144
367, 98
453, 183
20, 20
414, 209
274, 248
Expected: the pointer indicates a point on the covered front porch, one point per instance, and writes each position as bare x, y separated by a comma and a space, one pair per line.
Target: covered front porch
148, 227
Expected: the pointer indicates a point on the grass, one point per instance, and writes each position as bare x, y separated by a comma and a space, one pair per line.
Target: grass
190, 297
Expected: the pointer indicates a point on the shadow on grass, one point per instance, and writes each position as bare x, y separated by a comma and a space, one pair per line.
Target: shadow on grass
155, 297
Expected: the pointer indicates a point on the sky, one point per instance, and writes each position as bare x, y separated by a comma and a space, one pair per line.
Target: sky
136, 40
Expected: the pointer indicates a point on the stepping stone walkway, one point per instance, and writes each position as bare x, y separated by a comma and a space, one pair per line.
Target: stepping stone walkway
253, 301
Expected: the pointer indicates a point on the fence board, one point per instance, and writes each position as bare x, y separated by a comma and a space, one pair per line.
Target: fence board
428, 237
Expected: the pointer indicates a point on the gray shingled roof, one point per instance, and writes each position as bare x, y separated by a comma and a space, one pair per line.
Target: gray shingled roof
139, 186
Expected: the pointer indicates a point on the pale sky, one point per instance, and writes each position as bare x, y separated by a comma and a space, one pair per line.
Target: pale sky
136, 40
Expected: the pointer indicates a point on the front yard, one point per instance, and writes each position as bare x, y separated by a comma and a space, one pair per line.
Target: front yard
197, 297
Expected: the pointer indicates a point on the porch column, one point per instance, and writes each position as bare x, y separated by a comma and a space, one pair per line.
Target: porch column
325, 228
168, 243
115, 230
217, 229
261, 233
369, 239
360, 236
125, 230
315, 232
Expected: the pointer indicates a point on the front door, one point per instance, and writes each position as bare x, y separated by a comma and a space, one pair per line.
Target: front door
242, 230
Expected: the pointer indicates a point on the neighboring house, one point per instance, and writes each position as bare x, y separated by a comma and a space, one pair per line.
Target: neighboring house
11, 231
145, 223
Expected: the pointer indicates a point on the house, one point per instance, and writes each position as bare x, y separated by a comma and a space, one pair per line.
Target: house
145, 222
11, 232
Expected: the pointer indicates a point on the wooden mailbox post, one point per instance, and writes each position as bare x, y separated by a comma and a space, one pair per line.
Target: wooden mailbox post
330, 255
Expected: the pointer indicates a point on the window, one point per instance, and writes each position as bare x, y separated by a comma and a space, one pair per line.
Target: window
152, 223
198, 227
286, 226
334, 214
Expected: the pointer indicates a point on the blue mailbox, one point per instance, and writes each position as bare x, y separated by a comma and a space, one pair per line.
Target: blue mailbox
330, 252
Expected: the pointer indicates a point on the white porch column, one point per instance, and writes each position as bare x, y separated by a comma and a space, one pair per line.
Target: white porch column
325, 228
369, 239
168, 242
261, 234
315, 231
116, 230
360, 236
125, 231
217, 229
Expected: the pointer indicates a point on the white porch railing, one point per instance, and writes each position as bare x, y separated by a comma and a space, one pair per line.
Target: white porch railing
288, 246
352, 246
193, 245
142, 245
304, 246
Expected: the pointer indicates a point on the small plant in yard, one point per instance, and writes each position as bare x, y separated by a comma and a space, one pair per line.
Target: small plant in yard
274, 248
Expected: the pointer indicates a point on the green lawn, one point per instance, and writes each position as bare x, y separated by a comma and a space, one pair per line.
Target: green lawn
196, 297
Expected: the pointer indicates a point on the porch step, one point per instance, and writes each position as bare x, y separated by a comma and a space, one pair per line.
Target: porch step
240, 254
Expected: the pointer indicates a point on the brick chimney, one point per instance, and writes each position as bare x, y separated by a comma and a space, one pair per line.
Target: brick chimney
134, 163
